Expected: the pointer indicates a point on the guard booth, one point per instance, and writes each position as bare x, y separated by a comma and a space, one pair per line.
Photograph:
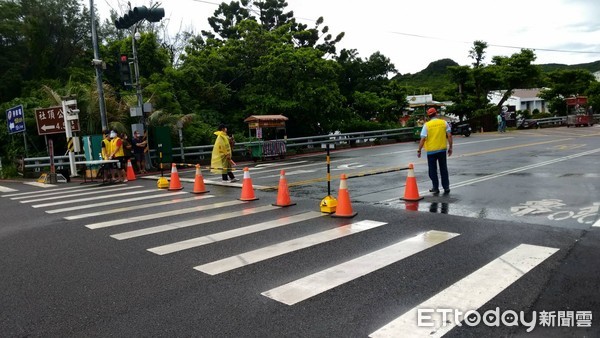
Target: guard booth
268, 136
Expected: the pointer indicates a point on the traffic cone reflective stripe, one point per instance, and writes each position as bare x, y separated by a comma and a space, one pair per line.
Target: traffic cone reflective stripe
344, 207
174, 183
199, 187
247, 189
411, 192
130, 173
283, 195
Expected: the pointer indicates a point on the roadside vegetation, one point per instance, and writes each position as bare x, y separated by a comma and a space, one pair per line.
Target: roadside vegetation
257, 59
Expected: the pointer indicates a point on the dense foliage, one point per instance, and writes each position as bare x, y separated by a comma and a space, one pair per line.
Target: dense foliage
257, 59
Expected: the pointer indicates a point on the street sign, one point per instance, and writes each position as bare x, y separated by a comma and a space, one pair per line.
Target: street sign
15, 119
51, 121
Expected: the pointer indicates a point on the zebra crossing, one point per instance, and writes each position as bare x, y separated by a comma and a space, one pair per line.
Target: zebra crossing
470, 292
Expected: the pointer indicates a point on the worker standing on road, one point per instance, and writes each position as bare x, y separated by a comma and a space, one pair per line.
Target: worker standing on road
436, 136
138, 151
221, 161
107, 168
117, 153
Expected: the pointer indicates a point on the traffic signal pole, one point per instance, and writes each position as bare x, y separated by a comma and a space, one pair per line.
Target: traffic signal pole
133, 18
138, 91
136, 70
103, 119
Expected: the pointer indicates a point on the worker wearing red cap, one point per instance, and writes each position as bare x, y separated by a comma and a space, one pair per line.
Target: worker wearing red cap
436, 137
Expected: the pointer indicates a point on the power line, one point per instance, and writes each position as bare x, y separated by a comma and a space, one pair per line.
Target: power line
208, 2
500, 46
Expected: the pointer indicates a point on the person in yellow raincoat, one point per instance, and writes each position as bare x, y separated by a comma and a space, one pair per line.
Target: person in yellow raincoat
221, 156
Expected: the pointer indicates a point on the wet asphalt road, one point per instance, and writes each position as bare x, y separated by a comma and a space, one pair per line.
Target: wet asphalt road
533, 191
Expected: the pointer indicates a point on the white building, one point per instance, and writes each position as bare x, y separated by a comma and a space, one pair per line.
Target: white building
521, 99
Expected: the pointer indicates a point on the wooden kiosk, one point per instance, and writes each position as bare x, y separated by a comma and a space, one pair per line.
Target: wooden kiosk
268, 135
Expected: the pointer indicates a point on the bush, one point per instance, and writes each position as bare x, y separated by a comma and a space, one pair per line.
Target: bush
9, 171
541, 115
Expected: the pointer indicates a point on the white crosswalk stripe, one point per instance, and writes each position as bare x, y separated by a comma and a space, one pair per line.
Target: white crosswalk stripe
6, 189
41, 185
142, 206
221, 236
278, 249
469, 293
162, 214
96, 205
56, 191
107, 195
193, 222
108, 192
327, 279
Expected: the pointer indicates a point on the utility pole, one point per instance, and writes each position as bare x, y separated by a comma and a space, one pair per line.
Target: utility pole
99, 65
136, 70
138, 91
133, 18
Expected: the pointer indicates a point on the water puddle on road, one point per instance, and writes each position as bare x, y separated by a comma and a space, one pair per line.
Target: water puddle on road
447, 205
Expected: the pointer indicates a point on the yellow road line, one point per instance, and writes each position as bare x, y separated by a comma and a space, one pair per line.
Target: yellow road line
419, 161
512, 147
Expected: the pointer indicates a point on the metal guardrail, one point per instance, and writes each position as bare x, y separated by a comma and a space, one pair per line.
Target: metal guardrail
44, 162
557, 121
307, 142
551, 121
241, 148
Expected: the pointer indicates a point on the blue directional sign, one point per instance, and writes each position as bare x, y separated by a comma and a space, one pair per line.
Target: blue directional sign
15, 118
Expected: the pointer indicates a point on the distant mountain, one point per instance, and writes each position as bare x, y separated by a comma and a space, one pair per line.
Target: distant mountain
434, 79
431, 80
592, 66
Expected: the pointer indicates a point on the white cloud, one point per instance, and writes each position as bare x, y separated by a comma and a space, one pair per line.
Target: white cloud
444, 29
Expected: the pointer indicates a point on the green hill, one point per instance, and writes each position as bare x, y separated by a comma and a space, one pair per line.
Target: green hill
434, 79
431, 80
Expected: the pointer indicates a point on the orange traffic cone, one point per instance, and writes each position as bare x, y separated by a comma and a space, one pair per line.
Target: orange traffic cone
344, 208
174, 183
130, 173
199, 187
411, 192
283, 195
247, 189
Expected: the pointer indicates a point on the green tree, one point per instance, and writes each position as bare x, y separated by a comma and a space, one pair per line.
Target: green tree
12, 50
565, 83
463, 78
41, 40
516, 71
225, 19
298, 83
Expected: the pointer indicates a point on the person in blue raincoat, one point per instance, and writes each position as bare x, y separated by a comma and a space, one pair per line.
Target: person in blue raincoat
221, 161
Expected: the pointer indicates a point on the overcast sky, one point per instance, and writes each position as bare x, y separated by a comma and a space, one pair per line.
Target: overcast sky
415, 33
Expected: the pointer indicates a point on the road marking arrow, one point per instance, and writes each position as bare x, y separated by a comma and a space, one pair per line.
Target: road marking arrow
289, 173
349, 166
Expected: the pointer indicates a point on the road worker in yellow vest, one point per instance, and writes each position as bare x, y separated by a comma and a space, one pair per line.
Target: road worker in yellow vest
117, 153
436, 137
107, 168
